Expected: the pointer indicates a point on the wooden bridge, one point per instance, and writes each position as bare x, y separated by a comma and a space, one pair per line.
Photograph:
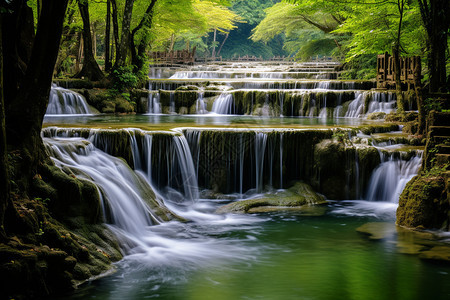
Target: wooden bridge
410, 67
173, 57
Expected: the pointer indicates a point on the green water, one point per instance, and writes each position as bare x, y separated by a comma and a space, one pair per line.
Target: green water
284, 255
166, 122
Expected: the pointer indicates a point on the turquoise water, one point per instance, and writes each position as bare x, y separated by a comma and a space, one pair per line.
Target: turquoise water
311, 254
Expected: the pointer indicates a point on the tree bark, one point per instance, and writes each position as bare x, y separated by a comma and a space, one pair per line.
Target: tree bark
4, 177
115, 25
396, 57
223, 43
126, 35
90, 68
398, 82
436, 20
25, 113
107, 36
137, 55
419, 96
18, 36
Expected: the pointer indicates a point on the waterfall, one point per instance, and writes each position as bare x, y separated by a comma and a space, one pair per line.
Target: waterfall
168, 157
172, 103
389, 179
281, 95
200, 104
224, 104
122, 190
154, 106
356, 107
382, 102
66, 102
260, 147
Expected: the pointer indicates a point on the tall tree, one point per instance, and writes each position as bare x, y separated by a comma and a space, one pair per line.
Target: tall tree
4, 178
436, 20
122, 49
108, 36
90, 68
28, 94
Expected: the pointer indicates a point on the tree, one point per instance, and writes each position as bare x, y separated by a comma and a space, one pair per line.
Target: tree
26, 94
90, 68
4, 177
436, 20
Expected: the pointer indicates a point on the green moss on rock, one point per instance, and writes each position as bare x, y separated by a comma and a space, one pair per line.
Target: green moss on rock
298, 195
424, 203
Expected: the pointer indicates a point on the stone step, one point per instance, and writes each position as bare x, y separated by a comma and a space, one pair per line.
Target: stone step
443, 159
443, 149
439, 131
441, 139
441, 119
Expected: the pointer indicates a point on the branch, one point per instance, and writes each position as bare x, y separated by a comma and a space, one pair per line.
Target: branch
146, 18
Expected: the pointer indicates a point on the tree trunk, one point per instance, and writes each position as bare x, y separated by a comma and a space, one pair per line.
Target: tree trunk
223, 43
90, 68
79, 53
107, 36
126, 35
436, 20
398, 82
419, 95
115, 26
18, 36
213, 55
94, 40
25, 114
4, 178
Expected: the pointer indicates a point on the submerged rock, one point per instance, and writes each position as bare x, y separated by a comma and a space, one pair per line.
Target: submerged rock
300, 194
377, 230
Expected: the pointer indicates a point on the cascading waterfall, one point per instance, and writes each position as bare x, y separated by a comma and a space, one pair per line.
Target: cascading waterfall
122, 188
172, 103
200, 105
224, 104
66, 102
356, 107
260, 148
382, 102
389, 179
154, 106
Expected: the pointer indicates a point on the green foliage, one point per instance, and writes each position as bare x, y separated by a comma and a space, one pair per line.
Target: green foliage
251, 11
322, 47
360, 67
124, 78
433, 104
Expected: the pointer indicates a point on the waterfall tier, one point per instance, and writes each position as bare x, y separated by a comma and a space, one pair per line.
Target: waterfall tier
237, 161
66, 102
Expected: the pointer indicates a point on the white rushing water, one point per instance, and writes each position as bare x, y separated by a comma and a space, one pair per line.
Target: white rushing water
224, 104
389, 179
124, 193
66, 102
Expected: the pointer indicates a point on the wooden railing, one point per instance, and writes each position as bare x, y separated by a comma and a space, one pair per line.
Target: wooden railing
173, 57
409, 68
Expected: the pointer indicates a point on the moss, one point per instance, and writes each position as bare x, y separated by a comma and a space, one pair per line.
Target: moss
424, 203
343, 171
107, 101
298, 195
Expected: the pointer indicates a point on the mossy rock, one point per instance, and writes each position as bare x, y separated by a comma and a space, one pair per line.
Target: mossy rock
376, 116
378, 230
106, 101
299, 195
343, 171
424, 203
